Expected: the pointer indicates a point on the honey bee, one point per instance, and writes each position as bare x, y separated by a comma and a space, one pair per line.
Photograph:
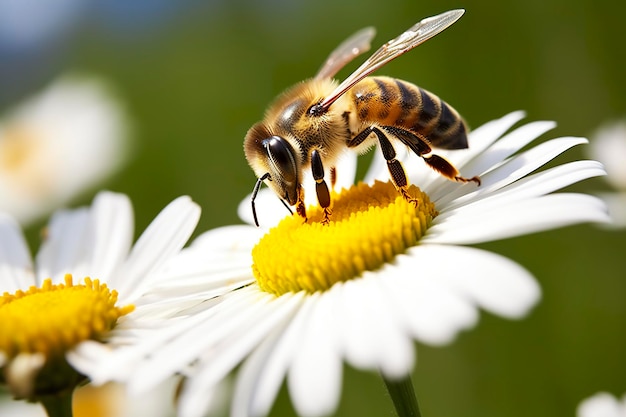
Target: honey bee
313, 122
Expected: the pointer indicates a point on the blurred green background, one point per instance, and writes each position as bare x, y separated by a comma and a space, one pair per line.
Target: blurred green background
196, 76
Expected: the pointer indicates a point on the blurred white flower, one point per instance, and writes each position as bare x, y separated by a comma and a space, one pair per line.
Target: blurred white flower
608, 145
109, 400
57, 144
602, 404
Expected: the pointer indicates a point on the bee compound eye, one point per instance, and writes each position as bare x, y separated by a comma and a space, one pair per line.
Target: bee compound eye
281, 157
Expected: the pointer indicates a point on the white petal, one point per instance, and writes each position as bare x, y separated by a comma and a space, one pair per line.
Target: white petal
479, 140
506, 147
367, 332
16, 267
219, 258
508, 172
528, 187
316, 372
65, 249
397, 352
616, 205
216, 323
233, 347
487, 159
112, 227
517, 218
608, 145
346, 171
229, 238
533, 185
378, 168
270, 210
601, 404
427, 309
483, 136
491, 281
263, 372
164, 237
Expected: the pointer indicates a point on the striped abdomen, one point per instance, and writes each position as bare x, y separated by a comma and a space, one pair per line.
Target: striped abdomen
393, 102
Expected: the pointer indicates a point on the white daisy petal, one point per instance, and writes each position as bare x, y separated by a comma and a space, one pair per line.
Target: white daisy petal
368, 336
493, 282
480, 140
165, 236
482, 137
378, 168
352, 327
65, 246
245, 338
216, 259
506, 146
316, 371
430, 313
270, 210
602, 404
446, 191
616, 205
113, 226
531, 186
397, 355
608, 145
228, 238
16, 267
508, 172
346, 171
263, 372
531, 215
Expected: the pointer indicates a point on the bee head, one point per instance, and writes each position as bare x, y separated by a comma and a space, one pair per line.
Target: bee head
275, 161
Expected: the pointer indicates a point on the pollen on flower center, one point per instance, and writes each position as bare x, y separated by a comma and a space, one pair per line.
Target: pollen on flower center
370, 225
54, 318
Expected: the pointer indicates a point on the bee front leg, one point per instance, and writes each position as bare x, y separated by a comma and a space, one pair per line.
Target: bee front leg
323, 195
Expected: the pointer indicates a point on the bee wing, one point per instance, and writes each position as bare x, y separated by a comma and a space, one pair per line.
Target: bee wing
414, 36
349, 49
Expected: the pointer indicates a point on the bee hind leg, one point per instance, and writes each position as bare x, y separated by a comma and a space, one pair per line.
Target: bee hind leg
446, 169
420, 146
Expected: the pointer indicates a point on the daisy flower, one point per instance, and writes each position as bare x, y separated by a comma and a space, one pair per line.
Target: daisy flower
301, 298
85, 280
602, 404
57, 144
608, 145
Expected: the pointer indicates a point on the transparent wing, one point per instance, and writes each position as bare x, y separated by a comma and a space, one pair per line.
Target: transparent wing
416, 35
349, 49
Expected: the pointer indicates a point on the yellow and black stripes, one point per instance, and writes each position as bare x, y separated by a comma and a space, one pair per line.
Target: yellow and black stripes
392, 102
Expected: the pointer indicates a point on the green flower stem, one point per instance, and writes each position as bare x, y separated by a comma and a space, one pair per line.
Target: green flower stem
403, 396
58, 405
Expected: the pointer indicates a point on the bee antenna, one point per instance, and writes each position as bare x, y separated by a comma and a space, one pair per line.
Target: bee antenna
286, 206
255, 191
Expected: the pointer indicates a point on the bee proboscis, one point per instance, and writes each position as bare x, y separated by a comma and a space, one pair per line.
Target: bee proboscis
313, 122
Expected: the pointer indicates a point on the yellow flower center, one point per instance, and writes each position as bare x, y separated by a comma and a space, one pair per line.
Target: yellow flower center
54, 318
23, 159
369, 226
